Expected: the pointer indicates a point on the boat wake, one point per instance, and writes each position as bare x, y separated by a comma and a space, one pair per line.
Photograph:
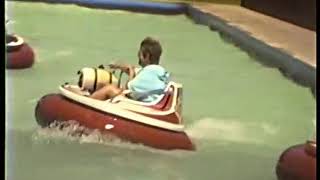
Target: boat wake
72, 131
207, 129
201, 132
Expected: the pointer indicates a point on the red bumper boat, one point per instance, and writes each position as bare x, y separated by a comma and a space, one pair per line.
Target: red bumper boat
158, 124
298, 162
19, 54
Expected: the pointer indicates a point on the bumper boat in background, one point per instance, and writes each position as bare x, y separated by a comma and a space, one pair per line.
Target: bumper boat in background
158, 124
19, 54
298, 162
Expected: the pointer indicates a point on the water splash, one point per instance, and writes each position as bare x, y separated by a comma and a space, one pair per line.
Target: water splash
72, 131
207, 129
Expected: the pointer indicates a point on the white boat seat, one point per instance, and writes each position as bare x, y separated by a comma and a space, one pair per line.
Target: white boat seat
169, 89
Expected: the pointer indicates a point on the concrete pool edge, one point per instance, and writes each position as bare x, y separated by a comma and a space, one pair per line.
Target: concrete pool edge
291, 67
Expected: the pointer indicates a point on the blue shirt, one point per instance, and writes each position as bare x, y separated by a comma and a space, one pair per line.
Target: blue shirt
149, 83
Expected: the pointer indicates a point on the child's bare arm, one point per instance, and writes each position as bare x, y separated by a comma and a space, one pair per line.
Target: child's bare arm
123, 67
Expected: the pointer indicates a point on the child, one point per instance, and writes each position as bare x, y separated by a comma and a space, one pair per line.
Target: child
148, 83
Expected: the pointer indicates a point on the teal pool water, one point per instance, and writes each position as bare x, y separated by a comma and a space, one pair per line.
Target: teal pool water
240, 114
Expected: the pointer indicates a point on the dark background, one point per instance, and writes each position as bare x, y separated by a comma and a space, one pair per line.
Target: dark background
298, 12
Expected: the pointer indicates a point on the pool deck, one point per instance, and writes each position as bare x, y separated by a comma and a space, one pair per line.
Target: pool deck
294, 40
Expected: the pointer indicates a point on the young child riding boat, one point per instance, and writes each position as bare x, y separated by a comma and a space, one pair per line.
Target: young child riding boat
146, 84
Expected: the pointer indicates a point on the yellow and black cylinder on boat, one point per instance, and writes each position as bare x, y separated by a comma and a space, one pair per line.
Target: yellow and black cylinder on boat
92, 79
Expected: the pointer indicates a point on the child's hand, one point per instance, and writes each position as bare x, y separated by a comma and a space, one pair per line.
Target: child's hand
123, 67
114, 66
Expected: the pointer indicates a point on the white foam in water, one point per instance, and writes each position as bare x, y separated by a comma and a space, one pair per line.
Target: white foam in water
33, 100
219, 129
203, 130
74, 132
71, 130
63, 53
269, 129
